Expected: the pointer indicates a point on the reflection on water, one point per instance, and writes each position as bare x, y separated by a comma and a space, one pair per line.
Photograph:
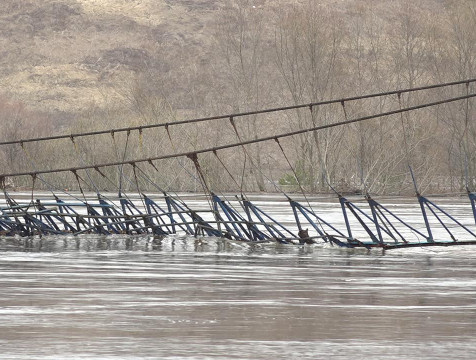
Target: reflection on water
182, 298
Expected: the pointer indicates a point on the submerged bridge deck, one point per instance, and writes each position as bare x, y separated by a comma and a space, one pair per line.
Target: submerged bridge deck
360, 222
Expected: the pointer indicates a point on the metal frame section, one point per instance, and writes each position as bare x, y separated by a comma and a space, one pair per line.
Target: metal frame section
155, 220
435, 210
355, 210
237, 227
383, 216
317, 223
112, 217
247, 222
275, 230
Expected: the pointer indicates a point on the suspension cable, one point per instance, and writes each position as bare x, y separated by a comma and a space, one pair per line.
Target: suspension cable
247, 142
241, 114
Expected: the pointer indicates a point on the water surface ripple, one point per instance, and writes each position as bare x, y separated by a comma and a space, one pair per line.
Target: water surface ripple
125, 297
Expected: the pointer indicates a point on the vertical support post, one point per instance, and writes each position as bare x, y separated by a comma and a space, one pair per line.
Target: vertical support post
342, 201
245, 205
421, 201
169, 209
216, 214
374, 215
298, 222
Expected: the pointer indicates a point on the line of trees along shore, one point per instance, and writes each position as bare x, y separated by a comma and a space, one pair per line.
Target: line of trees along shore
287, 53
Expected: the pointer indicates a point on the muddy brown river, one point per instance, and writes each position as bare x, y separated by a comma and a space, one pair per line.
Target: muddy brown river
140, 297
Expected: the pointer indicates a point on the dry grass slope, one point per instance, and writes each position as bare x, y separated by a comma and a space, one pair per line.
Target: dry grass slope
68, 55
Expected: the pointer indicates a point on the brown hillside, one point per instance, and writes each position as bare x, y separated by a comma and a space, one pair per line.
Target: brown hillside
67, 55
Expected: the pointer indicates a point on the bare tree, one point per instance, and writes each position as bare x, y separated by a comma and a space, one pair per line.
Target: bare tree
308, 57
242, 48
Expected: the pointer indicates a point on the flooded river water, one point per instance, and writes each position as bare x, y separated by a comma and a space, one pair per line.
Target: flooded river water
120, 297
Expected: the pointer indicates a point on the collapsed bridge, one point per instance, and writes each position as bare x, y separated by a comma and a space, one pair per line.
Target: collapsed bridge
371, 226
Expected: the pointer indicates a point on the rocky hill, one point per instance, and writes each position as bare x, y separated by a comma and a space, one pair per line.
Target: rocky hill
63, 56
66, 56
